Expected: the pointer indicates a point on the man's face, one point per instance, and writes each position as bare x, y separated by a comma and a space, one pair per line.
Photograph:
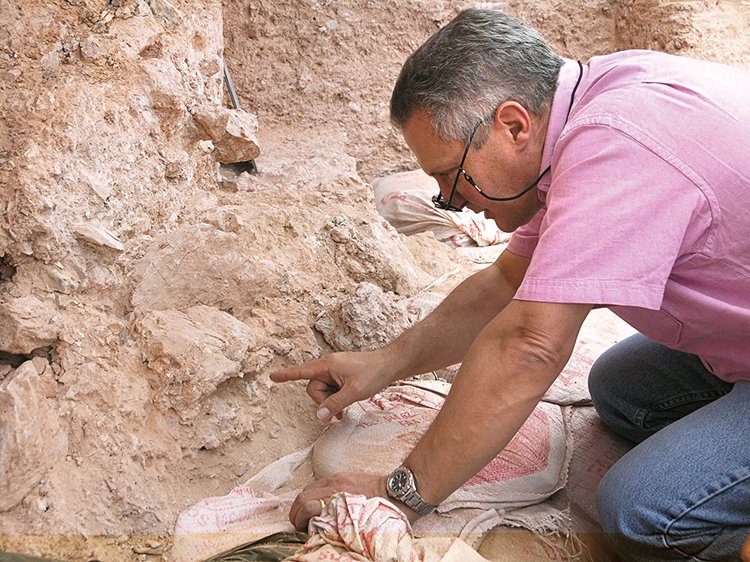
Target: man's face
499, 168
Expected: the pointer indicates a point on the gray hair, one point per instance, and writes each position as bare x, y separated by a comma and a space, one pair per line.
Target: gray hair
480, 60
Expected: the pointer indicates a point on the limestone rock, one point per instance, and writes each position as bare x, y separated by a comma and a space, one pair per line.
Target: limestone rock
201, 264
232, 132
31, 439
27, 323
165, 10
372, 251
193, 352
98, 236
365, 320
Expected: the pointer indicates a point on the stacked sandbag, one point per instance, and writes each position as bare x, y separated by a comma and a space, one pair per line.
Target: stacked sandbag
376, 435
405, 201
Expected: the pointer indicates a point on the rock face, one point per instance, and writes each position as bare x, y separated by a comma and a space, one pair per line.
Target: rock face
703, 29
339, 61
142, 306
90, 108
31, 437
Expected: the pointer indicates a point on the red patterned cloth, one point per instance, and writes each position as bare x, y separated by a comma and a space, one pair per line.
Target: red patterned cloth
354, 528
531, 468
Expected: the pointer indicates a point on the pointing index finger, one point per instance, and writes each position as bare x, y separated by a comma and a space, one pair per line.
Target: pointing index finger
308, 371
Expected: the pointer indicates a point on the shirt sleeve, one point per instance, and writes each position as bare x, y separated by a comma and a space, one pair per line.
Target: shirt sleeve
524, 239
618, 217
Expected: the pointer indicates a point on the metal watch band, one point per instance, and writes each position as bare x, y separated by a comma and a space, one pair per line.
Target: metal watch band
417, 503
408, 493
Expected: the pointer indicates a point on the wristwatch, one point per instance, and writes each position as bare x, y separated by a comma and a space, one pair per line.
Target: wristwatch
402, 486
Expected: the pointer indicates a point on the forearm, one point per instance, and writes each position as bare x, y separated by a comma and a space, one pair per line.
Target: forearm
444, 337
502, 378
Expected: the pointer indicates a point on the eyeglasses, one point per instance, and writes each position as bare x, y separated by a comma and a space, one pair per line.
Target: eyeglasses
438, 200
441, 203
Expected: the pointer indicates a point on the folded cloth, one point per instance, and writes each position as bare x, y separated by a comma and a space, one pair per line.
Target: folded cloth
359, 529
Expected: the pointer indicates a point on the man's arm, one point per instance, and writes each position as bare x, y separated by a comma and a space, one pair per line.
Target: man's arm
441, 339
504, 375
444, 337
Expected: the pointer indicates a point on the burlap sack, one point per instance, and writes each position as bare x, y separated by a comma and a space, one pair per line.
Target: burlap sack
405, 201
596, 449
376, 435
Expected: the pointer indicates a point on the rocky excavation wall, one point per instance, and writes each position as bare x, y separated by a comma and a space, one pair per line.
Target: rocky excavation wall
144, 297
338, 71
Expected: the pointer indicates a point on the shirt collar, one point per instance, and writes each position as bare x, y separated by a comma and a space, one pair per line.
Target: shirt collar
566, 81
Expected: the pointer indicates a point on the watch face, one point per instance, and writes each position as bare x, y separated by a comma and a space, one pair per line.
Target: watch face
397, 481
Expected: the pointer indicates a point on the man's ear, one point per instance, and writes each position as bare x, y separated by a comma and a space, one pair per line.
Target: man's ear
514, 118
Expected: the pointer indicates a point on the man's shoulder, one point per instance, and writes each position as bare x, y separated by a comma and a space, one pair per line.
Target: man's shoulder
636, 78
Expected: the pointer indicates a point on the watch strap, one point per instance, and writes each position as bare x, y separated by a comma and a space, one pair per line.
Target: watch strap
416, 502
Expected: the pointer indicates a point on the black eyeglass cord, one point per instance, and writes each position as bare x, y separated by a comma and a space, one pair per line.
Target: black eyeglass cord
548, 168
440, 203
567, 115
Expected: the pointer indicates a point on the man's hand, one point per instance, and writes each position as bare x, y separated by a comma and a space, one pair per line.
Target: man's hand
745, 554
307, 503
340, 379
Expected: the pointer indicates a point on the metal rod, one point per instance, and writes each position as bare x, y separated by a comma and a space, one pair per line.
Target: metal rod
230, 86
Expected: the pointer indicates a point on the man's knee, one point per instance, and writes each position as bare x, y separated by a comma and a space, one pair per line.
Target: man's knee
632, 528
657, 526
610, 386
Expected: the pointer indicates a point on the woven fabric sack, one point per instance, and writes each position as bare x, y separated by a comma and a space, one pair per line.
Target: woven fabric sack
376, 435
405, 201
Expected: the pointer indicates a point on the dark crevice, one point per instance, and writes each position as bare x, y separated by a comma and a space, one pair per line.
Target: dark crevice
15, 360
7, 269
234, 170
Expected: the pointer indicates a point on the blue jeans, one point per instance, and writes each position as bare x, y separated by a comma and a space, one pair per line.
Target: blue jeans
683, 493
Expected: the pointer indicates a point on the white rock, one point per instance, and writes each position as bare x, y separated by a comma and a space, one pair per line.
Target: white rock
31, 440
98, 236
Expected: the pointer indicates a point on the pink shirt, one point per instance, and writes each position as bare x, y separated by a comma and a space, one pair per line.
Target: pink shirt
647, 208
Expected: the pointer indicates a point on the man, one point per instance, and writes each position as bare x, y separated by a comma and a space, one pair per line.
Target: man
627, 182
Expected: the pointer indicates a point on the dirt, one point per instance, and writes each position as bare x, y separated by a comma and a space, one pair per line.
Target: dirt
144, 300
